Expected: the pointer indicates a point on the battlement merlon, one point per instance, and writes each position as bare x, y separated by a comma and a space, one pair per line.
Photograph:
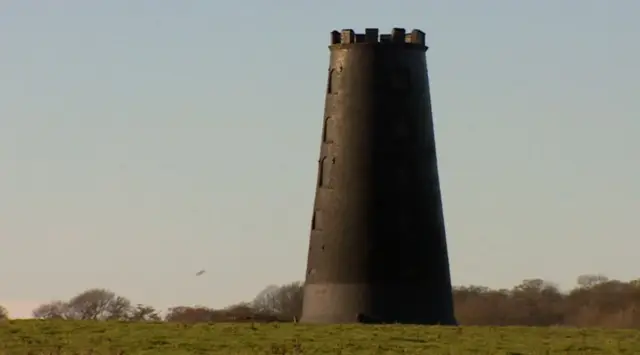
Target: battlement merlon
371, 35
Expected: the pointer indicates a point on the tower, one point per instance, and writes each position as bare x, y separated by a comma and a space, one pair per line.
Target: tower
377, 250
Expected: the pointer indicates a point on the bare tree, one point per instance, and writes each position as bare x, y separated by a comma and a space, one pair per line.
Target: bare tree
99, 304
587, 281
52, 310
143, 313
239, 311
95, 304
4, 313
284, 301
531, 285
596, 302
190, 314
263, 302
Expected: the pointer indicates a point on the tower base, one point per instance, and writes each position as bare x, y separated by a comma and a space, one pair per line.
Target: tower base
372, 304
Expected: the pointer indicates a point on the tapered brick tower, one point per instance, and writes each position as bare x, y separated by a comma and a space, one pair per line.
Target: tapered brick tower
377, 251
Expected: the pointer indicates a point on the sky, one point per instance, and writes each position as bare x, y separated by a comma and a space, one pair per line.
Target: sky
142, 141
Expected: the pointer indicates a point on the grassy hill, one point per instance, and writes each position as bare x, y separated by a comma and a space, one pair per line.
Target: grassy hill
22, 337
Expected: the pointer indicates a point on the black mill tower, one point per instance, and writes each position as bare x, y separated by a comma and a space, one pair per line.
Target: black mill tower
378, 251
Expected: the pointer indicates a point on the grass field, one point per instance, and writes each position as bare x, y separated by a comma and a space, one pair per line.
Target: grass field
22, 337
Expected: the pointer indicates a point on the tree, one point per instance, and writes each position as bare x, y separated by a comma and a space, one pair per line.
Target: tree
99, 304
238, 312
596, 302
263, 302
531, 285
536, 302
284, 301
143, 313
93, 304
588, 281
4, 313
52, 310
190, 314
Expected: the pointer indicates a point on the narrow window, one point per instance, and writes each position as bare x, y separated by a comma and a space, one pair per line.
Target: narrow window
316, 222
330, 81
326, 165
328, 130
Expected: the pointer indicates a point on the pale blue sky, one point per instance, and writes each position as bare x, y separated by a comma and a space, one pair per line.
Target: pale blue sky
142, 141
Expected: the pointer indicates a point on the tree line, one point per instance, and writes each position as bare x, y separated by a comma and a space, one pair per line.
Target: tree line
596, 301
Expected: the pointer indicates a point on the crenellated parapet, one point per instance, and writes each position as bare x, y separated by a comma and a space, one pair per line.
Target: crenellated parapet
372, 35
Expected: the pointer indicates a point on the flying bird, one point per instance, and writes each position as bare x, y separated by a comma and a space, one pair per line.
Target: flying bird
199, 272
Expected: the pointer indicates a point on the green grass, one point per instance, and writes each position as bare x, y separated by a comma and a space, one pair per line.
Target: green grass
22, 337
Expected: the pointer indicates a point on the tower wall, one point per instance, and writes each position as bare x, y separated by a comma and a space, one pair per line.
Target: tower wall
377, 250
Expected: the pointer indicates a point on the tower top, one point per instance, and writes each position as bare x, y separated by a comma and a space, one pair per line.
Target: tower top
371, 35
